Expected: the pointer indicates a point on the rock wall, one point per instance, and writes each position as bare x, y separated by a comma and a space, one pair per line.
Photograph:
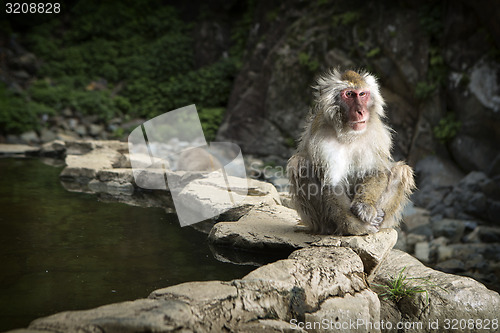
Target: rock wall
435, 61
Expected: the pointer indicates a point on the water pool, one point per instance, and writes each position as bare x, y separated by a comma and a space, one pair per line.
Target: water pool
61, 250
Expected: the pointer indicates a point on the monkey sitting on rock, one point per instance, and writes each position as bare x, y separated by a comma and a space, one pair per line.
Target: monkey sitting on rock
343, 179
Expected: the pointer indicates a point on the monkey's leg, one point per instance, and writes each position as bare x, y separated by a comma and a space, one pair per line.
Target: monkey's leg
305, 192
399, 187
342, 220
367, 194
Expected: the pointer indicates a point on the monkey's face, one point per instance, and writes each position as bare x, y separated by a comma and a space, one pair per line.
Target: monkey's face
355, 103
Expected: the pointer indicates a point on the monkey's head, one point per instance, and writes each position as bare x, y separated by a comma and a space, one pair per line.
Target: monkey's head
349, 100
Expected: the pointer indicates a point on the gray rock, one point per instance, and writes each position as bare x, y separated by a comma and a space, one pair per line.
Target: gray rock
275, 227
413, 239
494, 212
66, 136
286, 199
53, 148
111, 187
449, 228
29, 137
452, 266
402, 243
450, 296
119, 175
209, 194
472, 153
17, 149
436, 177
155, 315
422, 251
81, 130
83, 168
72, 123
95, 130
317, 284
362, 308
124, 162
372, 249
415, 216
263, 227
67, 112
484, 234
79, 147
484, 84
47, 135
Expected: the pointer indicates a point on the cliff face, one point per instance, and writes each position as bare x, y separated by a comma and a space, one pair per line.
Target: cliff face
437, 63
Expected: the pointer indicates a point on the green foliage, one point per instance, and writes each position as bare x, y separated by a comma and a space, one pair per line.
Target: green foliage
373, 53
431, 22
59, 97
144, 47
241, 30
425, 90
305, 60
290, 142
401, 286
431, 18
346, 18
447, 128
18, 115
211, 118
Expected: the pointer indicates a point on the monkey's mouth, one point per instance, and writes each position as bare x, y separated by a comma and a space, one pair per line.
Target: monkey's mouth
358, 125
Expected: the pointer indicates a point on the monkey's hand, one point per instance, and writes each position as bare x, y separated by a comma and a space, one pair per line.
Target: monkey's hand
368, 213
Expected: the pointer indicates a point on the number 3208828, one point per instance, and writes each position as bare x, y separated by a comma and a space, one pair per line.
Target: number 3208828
32, 8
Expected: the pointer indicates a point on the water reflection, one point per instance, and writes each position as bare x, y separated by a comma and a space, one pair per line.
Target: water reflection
65, 251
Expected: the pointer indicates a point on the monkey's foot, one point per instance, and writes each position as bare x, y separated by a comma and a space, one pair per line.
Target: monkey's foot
368, 213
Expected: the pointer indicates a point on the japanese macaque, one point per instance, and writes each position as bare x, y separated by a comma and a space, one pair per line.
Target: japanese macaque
198, 159
343, 179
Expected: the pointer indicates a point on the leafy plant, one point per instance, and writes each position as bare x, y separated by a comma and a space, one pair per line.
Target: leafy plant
373, 52
447, 128
346, 18
425, 90
305, 60
144, 48
210, 119
18, 115
402, 286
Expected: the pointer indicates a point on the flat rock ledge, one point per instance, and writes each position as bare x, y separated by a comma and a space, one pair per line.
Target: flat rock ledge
104, 167
17, 150
316, 289
275, 228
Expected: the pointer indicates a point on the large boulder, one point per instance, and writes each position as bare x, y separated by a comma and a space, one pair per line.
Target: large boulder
445, 300
318, 288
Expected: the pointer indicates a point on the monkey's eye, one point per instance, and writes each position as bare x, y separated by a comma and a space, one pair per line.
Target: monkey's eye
361, 94
349, 94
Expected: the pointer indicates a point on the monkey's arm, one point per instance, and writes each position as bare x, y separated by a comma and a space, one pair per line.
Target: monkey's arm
367, 194
400, 185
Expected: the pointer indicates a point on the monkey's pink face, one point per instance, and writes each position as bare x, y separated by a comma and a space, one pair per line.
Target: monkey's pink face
356, 101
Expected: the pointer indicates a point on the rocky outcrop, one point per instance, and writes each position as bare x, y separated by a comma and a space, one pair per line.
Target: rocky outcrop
447, 300
319, 288
274, 228
435, 65
104, 168
17, 150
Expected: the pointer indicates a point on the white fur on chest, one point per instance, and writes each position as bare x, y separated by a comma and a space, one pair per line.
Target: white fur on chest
343, 161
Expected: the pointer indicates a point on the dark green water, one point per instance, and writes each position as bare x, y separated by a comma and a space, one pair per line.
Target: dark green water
68, 251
